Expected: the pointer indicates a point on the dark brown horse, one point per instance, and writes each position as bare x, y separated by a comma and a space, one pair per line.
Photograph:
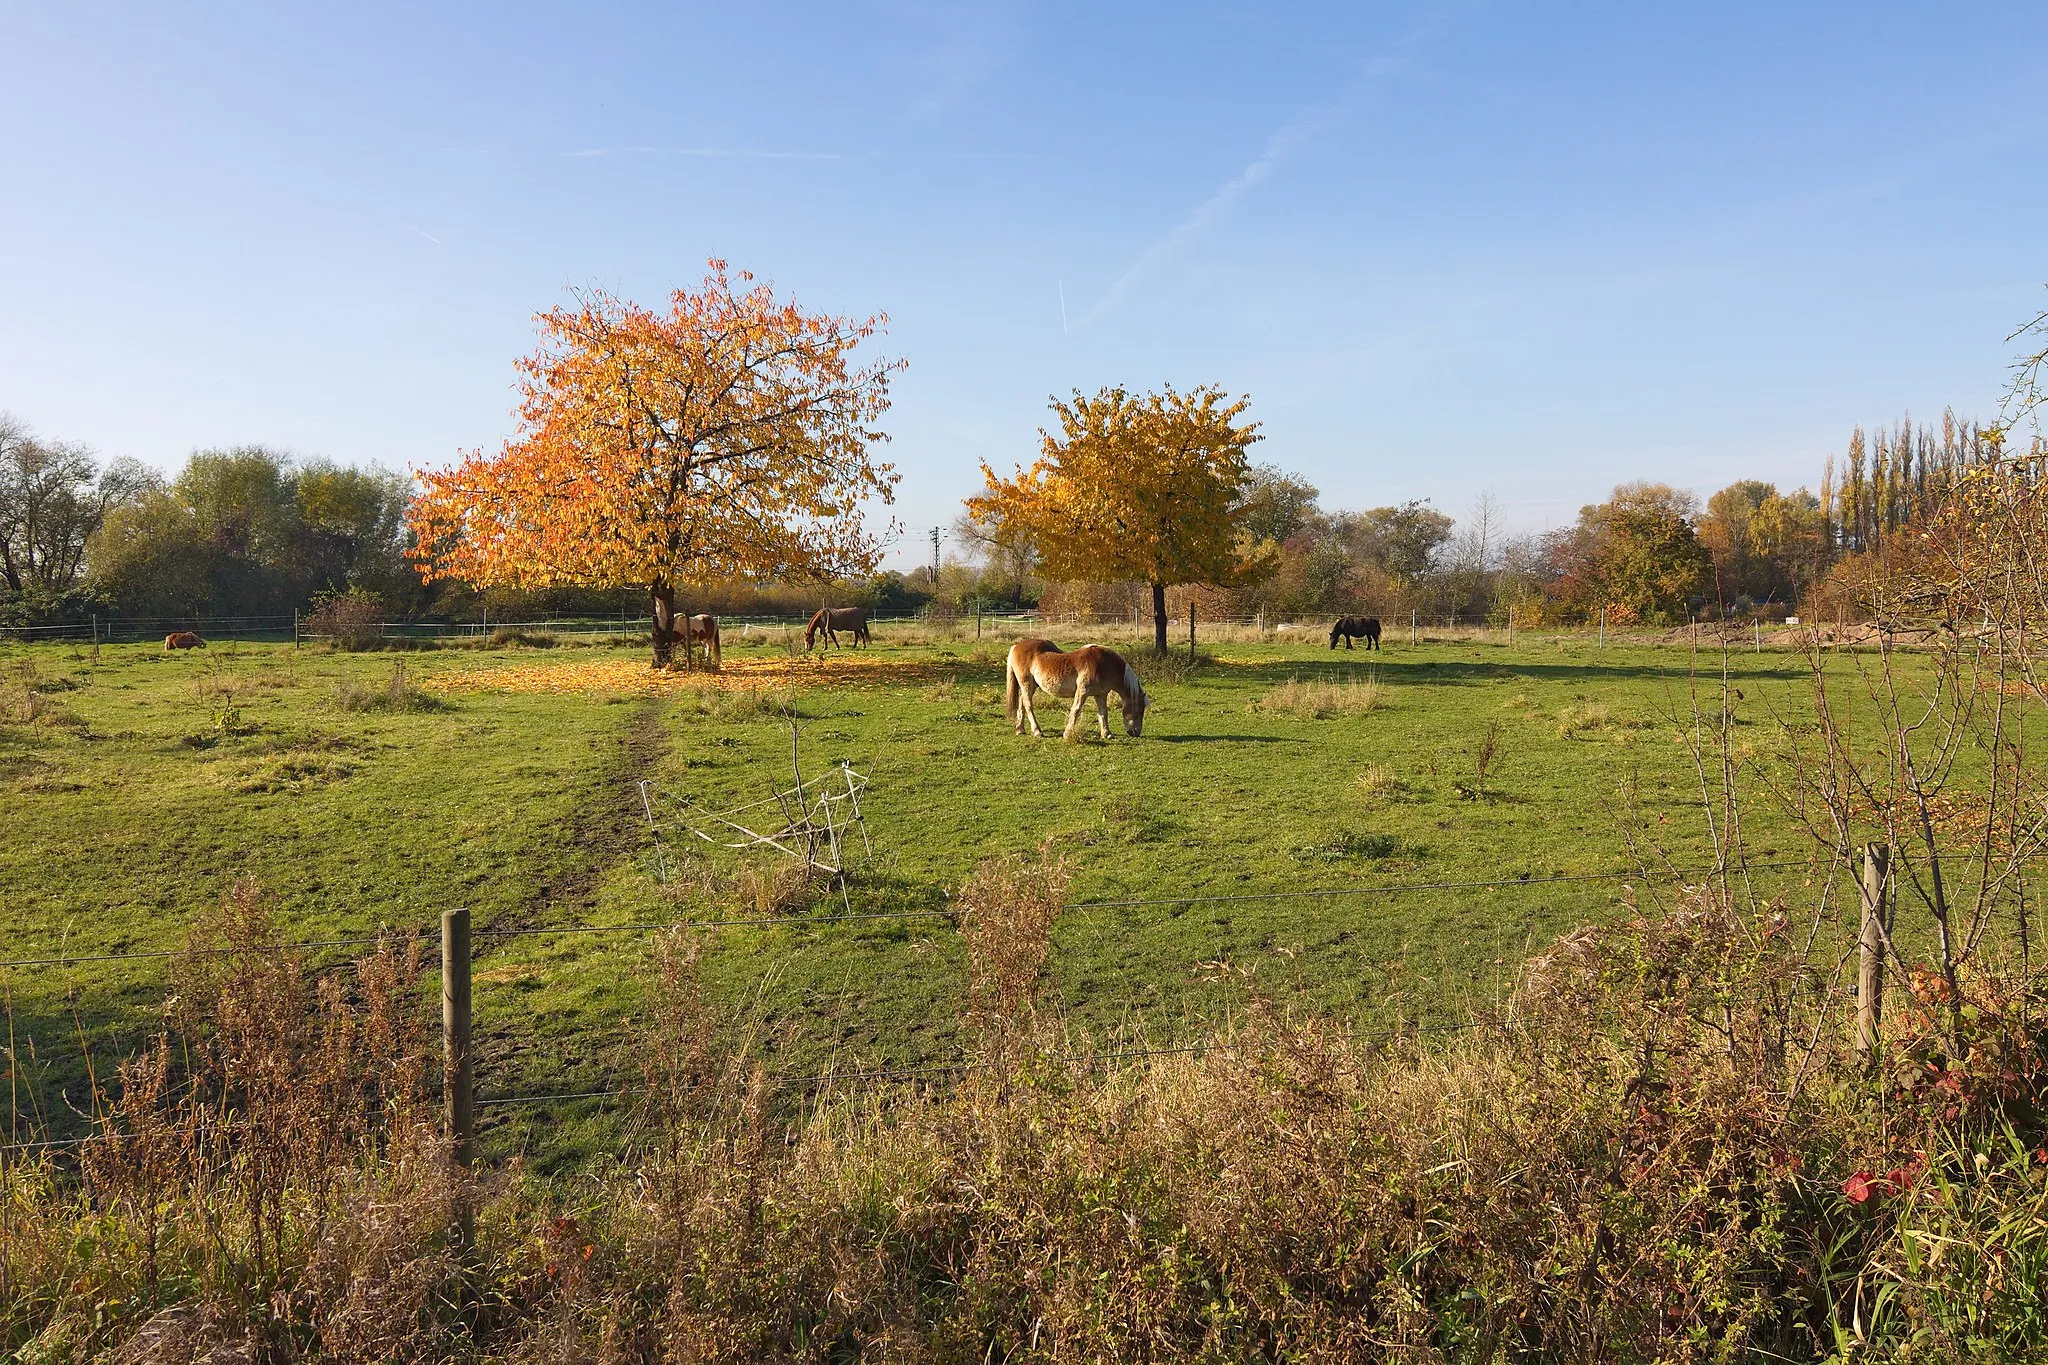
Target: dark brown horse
1366, 628
829, 621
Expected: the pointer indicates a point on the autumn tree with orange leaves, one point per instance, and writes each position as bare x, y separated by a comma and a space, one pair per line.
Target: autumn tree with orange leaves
729, 437
1147, 487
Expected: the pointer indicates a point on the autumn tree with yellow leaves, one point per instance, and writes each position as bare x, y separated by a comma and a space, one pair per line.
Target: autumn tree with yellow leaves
729, 437
1148, 487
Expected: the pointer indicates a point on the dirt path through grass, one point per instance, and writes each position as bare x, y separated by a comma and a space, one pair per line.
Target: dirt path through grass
605, 827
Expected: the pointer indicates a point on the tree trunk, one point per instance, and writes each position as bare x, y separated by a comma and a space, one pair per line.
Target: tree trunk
664, 624
1159, 617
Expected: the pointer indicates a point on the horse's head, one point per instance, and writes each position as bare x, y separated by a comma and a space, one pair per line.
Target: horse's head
1335, 631
1135, 702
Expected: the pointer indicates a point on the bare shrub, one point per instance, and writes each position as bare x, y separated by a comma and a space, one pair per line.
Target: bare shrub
265, 1178
351, 620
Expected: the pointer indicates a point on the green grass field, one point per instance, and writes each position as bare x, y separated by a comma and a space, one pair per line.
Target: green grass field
135, 789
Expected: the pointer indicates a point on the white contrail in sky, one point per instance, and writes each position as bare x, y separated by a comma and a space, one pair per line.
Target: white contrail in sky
712, 153
1280, 146
1063, 307
1277, 147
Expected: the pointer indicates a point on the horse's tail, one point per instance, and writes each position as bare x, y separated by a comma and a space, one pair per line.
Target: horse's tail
1010, 689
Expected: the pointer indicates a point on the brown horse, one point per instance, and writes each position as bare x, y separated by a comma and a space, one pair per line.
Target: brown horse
703, 630
183, 639
1366, 628
829, 621
1088, 672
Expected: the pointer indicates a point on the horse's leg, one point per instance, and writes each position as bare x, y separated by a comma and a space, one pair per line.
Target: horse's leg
1024, 694
1073, 730
1347, 640
1102, 715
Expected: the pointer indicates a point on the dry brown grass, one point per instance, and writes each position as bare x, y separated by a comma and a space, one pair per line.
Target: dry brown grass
1645, 1156
1319, 698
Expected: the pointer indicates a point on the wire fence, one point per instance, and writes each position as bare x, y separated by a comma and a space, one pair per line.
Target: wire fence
1394, 626
811, 1081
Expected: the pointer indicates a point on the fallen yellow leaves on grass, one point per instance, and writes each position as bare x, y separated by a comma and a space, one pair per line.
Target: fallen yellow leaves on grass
634, 677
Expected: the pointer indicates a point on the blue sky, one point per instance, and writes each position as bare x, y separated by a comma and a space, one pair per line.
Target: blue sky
1444, 248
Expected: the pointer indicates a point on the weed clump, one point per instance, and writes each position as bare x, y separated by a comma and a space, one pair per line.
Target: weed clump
1349, 845
1319, 698
511, 637
1378, 781
25, 700
397, 693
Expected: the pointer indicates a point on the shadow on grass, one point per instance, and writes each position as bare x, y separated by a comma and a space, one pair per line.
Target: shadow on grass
1227, 739
1410, 672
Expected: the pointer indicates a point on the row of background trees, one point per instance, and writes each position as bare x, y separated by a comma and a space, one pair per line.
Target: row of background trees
1649, 554
249, 531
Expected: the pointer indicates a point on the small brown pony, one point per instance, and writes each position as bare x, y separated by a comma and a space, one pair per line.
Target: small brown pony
183, 639
1088, 672
831, 620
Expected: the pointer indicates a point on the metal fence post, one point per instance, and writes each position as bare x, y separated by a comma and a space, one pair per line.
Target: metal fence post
458, 1080
1870, 949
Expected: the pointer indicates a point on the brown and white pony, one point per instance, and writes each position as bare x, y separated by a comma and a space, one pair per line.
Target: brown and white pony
829, 621
1088, 672
183, 639
703, 630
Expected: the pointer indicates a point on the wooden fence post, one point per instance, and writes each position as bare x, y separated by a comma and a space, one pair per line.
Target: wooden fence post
1411, 626
1759, 636
1511, 627
1603, 627
977, 618
295, 627
1191, 630
458, 1080
1870, 949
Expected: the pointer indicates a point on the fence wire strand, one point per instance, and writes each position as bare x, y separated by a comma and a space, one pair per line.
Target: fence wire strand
798, 922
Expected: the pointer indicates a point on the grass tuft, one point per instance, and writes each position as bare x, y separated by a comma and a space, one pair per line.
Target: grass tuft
398, 693
1319, 698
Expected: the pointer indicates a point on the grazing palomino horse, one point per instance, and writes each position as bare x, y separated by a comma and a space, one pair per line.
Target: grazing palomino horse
704, 631
1088, 672
829, 621
1365, 628
183, 639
